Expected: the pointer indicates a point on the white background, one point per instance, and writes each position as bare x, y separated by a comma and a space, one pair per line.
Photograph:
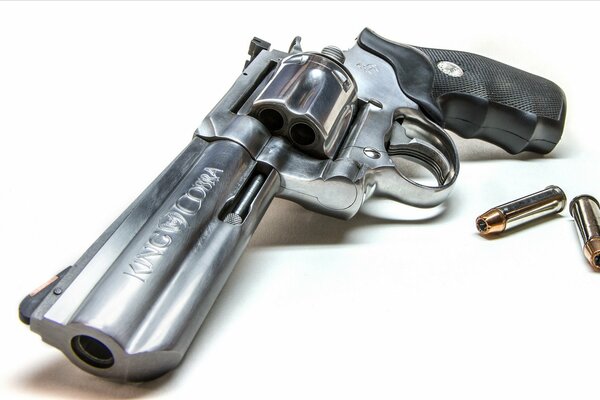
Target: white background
97, 98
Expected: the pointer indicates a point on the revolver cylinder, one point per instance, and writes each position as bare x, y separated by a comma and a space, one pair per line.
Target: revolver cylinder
311, 99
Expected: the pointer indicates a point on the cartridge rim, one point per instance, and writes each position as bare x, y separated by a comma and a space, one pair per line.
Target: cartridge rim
563, 196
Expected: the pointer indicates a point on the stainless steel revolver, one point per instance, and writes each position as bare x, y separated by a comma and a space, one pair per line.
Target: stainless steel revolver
327, 130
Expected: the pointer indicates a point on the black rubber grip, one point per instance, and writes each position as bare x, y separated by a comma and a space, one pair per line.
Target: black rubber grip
483, 98
498, 103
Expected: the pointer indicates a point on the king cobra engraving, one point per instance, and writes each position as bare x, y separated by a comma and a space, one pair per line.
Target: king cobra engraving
172, 224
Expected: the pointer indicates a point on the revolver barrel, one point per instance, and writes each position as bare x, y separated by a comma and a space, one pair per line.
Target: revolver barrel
130, 307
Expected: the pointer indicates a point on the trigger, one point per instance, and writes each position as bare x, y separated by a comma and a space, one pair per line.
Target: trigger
398, 136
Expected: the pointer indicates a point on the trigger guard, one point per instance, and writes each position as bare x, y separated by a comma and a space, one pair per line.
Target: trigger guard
433, 148
425, 155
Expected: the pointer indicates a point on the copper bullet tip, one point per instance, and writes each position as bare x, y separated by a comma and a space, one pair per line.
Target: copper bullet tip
492, 221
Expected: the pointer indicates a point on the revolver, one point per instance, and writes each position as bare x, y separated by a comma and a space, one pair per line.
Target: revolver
327, 130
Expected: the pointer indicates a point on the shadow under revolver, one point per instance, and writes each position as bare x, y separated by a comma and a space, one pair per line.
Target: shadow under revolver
287, 223
60, 378
479, 150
